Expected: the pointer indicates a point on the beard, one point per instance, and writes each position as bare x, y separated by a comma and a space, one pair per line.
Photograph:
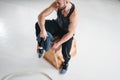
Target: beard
62, 8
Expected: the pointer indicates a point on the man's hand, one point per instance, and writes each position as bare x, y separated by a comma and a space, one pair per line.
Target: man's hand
43, 34
55, 45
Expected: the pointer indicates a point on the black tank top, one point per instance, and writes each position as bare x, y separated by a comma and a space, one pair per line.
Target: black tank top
63, 22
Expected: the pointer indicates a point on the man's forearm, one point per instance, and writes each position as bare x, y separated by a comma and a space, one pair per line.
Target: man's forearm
41, 22
65, 38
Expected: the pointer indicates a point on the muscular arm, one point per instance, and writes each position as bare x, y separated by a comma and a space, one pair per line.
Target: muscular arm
72, 27
71, 30
43, 14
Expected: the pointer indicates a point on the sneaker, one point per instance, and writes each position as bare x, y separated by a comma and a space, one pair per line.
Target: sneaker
40, 52
64, 68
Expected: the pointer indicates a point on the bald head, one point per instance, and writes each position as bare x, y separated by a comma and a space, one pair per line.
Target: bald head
62, 0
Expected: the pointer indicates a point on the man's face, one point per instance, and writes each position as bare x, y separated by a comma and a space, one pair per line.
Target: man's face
61, 4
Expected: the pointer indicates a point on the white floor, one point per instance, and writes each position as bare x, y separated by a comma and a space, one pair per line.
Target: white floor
98, 40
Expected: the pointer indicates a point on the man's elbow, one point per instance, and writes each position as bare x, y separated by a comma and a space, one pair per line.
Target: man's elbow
41, 15
71, 33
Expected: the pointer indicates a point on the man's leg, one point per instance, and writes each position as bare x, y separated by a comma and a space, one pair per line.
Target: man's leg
39, 47
50, 26
66, 47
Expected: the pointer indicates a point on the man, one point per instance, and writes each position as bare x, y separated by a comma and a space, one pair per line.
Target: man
64, 27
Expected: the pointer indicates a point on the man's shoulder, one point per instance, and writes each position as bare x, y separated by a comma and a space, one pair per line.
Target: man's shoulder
75, 12
53, 4
74, 15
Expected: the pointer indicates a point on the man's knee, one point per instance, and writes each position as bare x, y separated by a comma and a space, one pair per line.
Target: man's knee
37, 29
36, 25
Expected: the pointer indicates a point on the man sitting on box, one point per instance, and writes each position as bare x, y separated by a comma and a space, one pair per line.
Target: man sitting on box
63, 27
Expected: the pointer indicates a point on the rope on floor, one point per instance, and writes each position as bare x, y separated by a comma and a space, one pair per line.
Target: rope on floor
18, 74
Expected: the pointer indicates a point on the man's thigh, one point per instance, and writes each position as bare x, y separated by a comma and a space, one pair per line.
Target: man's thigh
52, 27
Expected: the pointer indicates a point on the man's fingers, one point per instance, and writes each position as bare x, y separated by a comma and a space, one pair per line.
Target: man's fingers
45, 38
